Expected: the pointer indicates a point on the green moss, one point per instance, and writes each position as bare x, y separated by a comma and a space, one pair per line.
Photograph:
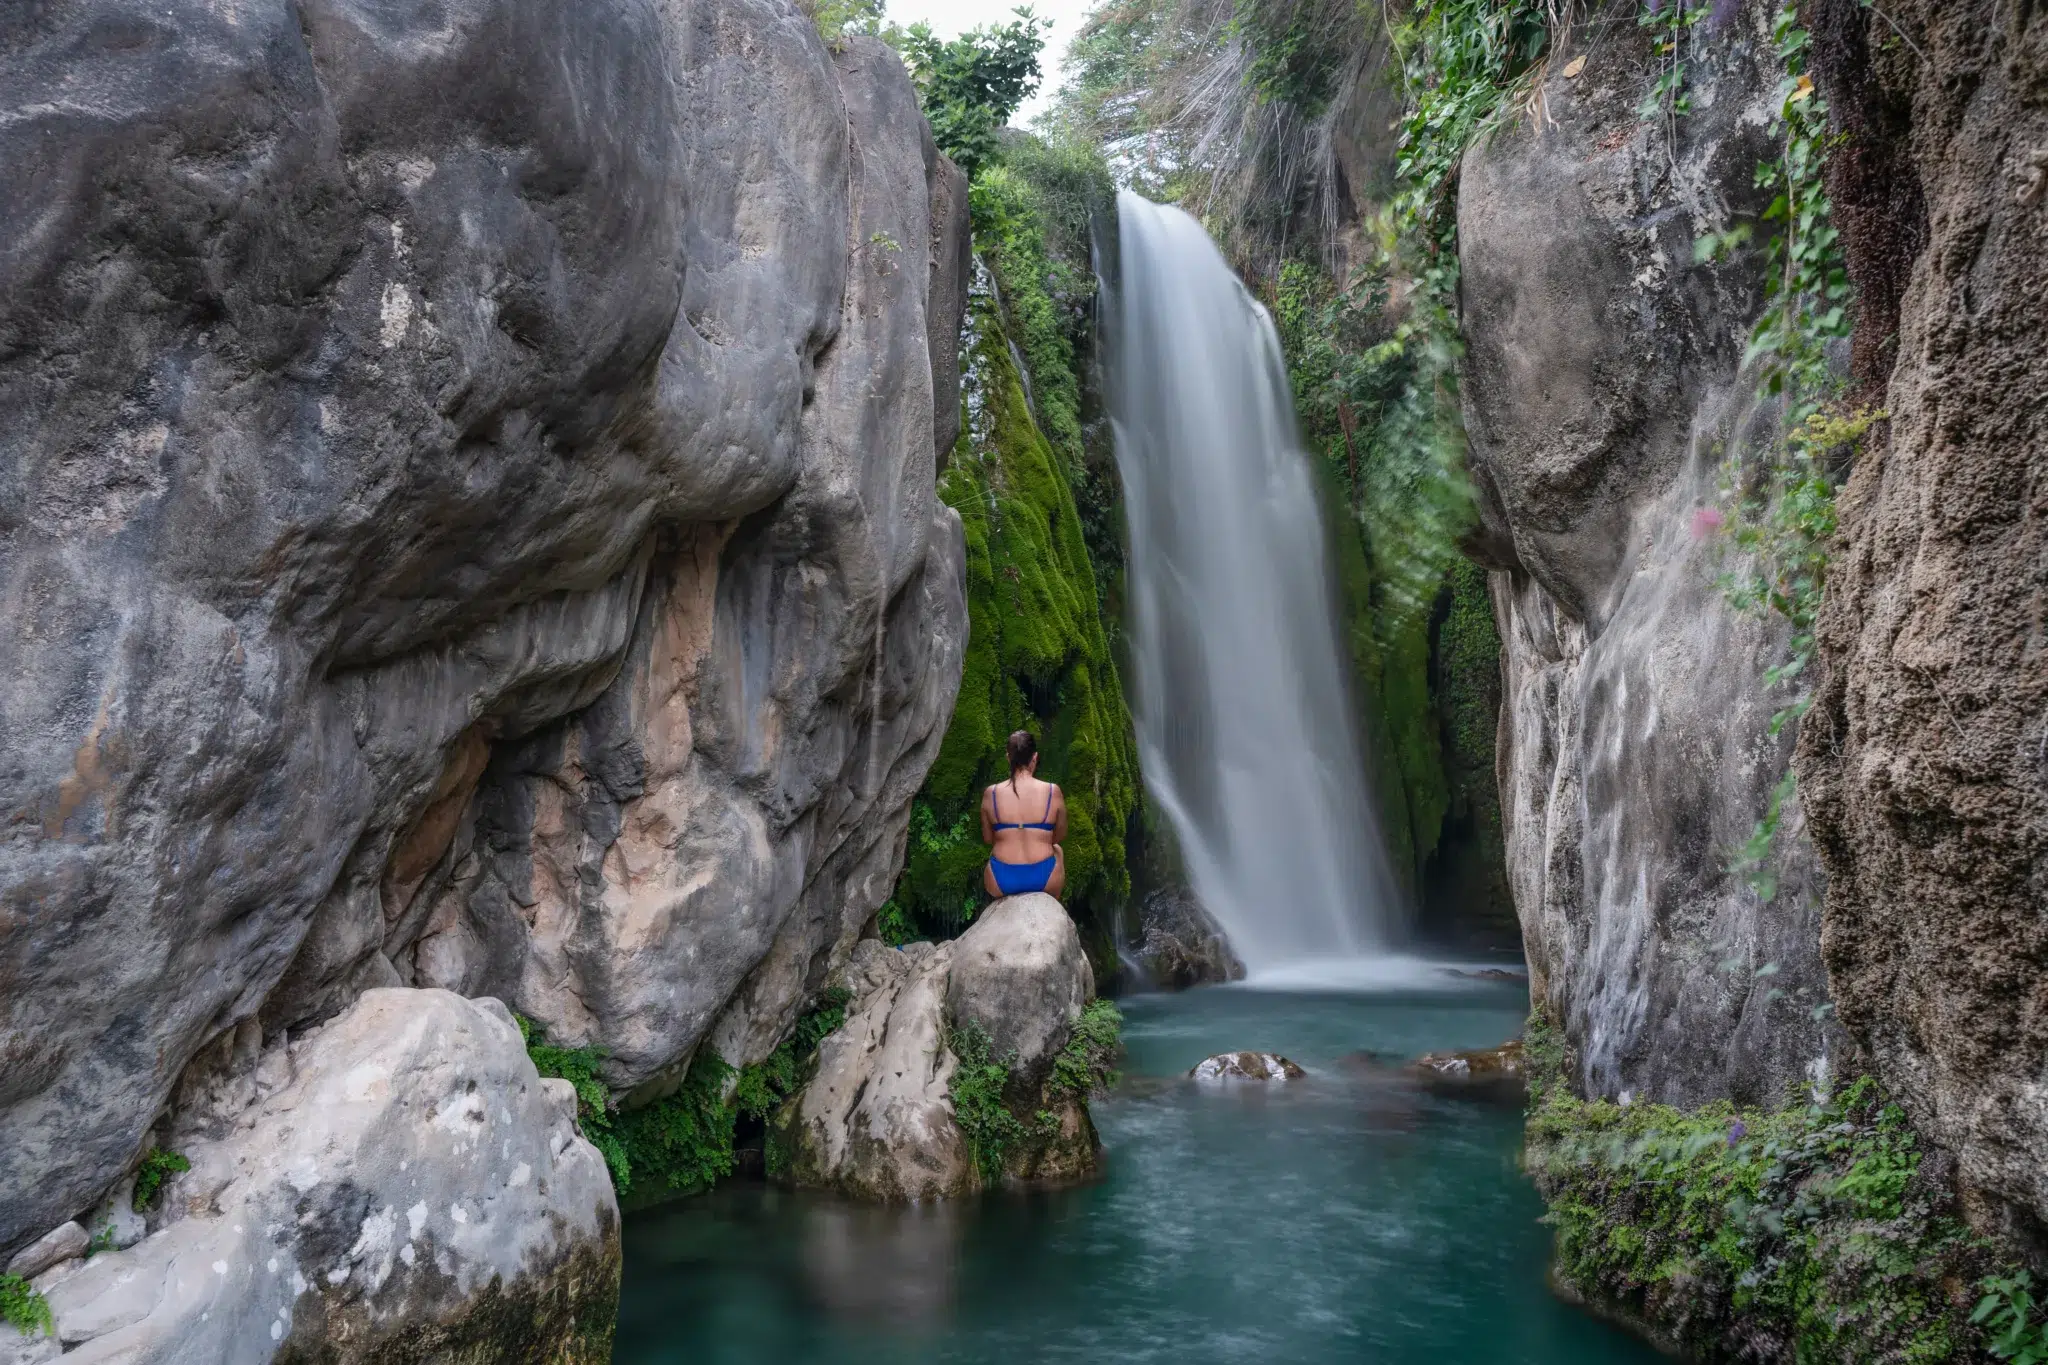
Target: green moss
1037, 655
1809, 1232
1087, 1063
989, 1101
22, 1308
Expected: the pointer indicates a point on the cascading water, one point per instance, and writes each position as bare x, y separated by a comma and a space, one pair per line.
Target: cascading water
1244, 722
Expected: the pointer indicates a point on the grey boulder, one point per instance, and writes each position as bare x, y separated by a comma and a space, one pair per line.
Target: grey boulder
412, 1185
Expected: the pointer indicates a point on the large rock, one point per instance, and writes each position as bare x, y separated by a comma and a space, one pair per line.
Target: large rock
410, 1188
1635, 744
1179, 944
1020, 976
1925, 761
876, 1120
467, 485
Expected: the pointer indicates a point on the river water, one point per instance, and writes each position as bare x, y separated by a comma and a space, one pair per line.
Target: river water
1344, 1218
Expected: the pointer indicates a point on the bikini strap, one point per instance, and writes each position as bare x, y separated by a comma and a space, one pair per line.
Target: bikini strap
1046, 818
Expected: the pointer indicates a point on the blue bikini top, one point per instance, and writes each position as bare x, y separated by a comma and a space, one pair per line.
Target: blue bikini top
1045, 824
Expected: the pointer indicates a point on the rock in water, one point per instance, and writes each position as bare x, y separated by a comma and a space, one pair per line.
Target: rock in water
876, 1120
1488, 1073
1246, 1066
414, 1190
1179, 943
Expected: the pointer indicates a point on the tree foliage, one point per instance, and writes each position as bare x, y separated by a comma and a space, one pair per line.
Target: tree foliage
971, 85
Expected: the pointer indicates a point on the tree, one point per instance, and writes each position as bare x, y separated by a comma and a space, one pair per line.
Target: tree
971, 85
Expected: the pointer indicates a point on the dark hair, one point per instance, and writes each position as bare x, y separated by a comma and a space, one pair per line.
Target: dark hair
1023, 748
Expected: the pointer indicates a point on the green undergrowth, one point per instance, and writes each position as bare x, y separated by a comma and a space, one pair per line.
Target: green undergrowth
1817, 1231
984, 1087
684, 1141
22, 1308
1038, 655
158, 1165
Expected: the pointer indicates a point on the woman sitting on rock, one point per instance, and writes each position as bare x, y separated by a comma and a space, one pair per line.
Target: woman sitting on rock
1025, 853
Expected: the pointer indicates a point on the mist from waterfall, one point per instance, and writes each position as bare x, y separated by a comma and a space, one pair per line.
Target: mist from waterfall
1245, 727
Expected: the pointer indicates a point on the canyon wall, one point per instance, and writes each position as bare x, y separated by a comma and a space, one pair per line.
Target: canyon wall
467, 520
1601, 400
1925, 761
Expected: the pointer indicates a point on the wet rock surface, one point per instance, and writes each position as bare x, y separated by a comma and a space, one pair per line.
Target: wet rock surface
1179, 945
1246, 1066
1635, 742
410, 1183
470, 523
1494, 1073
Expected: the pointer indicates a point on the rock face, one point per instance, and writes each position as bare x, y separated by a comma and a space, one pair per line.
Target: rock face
876, 1120
408, 1183
1635, 748
467, 520
1925, 760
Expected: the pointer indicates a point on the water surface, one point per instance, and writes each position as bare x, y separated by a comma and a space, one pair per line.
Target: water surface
1346, 1218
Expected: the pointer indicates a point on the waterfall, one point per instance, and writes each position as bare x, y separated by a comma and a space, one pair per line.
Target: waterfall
1244, 721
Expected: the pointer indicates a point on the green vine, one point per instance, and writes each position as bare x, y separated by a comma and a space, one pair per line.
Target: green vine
1670, 25
1781, 514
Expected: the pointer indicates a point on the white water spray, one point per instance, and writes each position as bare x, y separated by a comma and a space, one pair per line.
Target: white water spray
1244, 723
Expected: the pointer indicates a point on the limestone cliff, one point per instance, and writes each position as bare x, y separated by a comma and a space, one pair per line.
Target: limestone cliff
1601, 397
467, 518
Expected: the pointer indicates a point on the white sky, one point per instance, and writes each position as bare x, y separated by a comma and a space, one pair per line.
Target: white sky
950, 18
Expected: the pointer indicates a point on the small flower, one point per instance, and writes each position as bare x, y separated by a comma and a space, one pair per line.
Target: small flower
1706, 521
1735, 1134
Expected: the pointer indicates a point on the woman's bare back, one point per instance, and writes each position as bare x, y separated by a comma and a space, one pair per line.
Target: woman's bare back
1024, 800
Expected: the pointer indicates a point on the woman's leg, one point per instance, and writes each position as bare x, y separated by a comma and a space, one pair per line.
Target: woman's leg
988, 882
1057, 882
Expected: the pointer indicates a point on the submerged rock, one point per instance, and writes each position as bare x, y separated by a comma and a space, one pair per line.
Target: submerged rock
876, 1120
1490, 1073
1246, 1066
412, 1186
1179, 944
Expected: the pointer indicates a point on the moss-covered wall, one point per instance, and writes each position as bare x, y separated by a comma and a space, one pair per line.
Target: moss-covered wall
1038, 654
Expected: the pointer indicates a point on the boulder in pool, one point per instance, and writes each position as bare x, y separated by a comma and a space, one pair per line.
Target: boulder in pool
877, 1120
1497, 1073
1247, 1066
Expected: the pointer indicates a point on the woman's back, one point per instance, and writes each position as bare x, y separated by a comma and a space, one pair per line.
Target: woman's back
1024, 814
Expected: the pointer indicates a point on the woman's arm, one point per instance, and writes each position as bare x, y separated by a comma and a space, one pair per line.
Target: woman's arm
1059, 833
988, 820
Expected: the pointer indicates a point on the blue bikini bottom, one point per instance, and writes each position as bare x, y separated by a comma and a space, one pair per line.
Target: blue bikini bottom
1014, 879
